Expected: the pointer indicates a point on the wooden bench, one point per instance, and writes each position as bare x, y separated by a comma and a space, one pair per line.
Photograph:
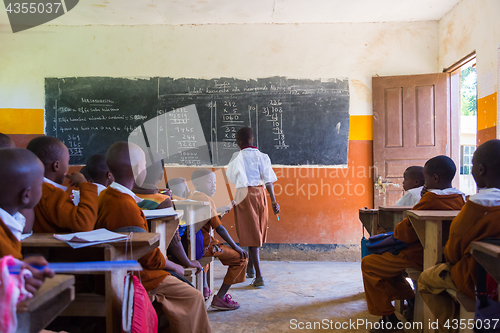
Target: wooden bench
383, 219
48, 302
166, 226
108, 306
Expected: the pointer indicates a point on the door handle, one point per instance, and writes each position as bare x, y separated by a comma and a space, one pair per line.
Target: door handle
381, 185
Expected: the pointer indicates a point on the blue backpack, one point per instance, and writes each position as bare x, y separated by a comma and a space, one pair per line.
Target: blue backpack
379, 244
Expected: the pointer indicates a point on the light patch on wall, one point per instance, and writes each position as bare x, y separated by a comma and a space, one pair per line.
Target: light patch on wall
22, 121
362, 91
486, 84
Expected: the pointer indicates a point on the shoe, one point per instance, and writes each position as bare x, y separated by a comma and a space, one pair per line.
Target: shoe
226, 303
250, 273
207, 293
258, 282
385, 325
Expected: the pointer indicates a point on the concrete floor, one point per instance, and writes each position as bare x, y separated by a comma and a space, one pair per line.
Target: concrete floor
308, 291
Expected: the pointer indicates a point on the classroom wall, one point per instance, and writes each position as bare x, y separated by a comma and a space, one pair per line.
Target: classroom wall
474, 25
319, 206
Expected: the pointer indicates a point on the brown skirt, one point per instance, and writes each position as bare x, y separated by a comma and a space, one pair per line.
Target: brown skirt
251, 215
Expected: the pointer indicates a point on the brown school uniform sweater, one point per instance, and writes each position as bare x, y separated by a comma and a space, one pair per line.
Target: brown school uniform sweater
55, 212
473, 223
9, 244
118, 210
404, 230
214, 221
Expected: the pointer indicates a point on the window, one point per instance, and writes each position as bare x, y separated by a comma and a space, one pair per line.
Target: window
466, 153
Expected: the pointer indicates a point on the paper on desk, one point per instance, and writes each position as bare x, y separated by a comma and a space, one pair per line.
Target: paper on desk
150, 214
88, 238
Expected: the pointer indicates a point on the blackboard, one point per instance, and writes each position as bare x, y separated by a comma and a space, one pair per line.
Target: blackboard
194, 121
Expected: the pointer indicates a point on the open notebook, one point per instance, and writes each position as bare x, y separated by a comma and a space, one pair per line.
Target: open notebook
82, 239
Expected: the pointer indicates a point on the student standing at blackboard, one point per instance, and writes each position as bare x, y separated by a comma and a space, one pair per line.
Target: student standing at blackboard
251, 170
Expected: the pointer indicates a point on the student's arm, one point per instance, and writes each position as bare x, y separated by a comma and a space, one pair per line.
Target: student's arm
172, 266
177, 250
270, 189
226, 209
225, 236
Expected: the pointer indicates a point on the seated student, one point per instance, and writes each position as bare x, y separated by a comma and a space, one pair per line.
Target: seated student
413, 182
56, 211
383, 273
98, 172
6, 141
182, 304
20, 188
477, 219
149, 189
179, 188
234, 256
153, 199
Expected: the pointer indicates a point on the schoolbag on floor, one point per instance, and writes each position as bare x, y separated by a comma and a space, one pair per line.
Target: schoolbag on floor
379, 244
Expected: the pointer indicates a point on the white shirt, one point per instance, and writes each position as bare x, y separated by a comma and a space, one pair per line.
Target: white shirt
123, 189
448, 191
14, 222
411, 197
76, 193
250, 167
46, 180
487, 197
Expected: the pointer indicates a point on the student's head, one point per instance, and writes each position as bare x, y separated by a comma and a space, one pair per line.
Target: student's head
54, 156
85, 173
486, 164
439, 172
244, 137
155, 170
6, 141
204, 181
22, 179
127, 163
98, 170
413, 177
179, 187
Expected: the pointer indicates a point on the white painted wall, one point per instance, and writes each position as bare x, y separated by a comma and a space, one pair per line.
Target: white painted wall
472, 25
356, 51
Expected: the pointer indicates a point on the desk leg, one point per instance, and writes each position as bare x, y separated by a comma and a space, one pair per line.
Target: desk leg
115, 281
433, 254
374, 230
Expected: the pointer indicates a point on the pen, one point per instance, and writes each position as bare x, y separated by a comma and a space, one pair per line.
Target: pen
278, 216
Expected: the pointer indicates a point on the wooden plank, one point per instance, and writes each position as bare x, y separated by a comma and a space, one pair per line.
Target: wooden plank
50, 300
433, 215
86, 305
395, 208
48, 240
490, 264
490, 249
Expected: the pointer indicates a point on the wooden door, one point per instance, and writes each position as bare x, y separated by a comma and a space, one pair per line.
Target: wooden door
411, 123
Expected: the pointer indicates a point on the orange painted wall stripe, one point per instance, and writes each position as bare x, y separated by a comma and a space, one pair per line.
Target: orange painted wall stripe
22, 121
487, 112
361, 128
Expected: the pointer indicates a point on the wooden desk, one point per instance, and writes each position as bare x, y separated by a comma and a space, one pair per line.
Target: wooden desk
369, 218
166, 226
93, 305
390, 216
488, 256
49, 301
197, 214
432, 228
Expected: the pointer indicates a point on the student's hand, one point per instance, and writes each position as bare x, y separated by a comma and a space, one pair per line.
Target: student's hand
196, 264
76, 178
276, 207
34, 283
243, 253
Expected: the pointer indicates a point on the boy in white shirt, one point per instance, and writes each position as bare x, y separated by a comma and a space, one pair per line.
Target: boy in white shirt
413, 182
251, 170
